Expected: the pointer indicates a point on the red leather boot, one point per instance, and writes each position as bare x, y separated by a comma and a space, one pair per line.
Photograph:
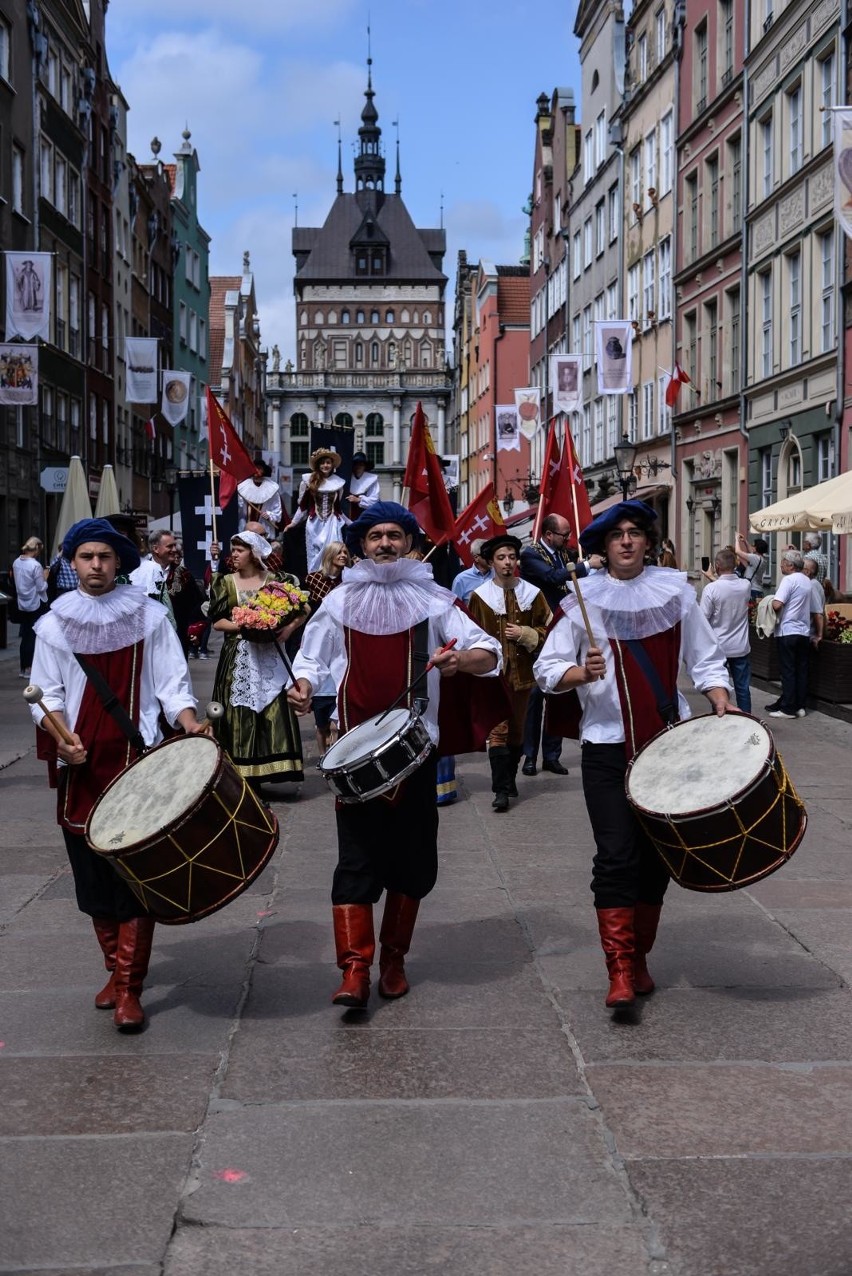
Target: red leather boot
107, 932
397, 928
355, 942
616, 932
131, 966
646, 919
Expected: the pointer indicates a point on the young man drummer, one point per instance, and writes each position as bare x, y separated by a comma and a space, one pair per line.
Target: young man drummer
645, 622
365, 637
128, 638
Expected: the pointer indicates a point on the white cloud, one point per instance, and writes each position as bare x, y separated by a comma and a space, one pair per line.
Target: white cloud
262, 15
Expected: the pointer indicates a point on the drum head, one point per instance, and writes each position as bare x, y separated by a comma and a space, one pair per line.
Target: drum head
699, 764
364, 739
156, 790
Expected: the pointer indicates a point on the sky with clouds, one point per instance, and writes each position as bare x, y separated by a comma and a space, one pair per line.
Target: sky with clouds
260, 85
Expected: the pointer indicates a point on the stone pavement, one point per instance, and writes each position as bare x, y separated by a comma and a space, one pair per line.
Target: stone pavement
497, 1121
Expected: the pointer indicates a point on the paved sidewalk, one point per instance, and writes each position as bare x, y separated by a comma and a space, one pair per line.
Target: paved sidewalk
497, 1121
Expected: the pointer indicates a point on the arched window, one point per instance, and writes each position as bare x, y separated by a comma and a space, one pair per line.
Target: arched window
300, 432
359, 352
406, 316
427, 316
359, 316
388, 316
303, 318
332, 316
374, 432
391, 354
374, 352
425, 354
344, 316
344, 420
375, 425
374, 316
299, 425
319, 318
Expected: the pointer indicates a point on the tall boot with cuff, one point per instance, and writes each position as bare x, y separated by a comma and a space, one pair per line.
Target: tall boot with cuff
395, 937
131, 966
106, 930
354, 940
617, 940
500, 759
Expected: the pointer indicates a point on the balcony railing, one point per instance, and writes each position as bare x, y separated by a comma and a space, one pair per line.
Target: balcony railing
368, 381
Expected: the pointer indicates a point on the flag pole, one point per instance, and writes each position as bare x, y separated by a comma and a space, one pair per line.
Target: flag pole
539, 514
213, 500
573, 486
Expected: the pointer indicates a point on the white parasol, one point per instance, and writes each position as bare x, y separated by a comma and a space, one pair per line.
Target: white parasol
108, 501
75, 502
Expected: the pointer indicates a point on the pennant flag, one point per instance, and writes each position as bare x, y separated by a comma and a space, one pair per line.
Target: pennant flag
562, 489
227, 450
428, 499
28, 293
842, 120
566, 377
480, 520
140, 356
614, 355
528, 404
508, 430
677, 378
18, 375
151, 429
175, 400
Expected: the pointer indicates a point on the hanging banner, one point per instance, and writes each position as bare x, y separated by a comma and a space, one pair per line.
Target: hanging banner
614, 355
175, 401
566, 377
18, 375
508, 428
843, 168
196, 520
28, 292
140, 354
528, 404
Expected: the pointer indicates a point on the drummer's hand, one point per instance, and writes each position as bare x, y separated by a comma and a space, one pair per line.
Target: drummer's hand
446, 662
513, 632
72, 754
594, 664
188, 720
720, 701
300, 696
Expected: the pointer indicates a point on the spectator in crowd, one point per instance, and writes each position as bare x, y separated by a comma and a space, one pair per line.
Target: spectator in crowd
61, 577
31, 589
794, 602
752, 562
725, 604
472, 577
813, 552
818, 597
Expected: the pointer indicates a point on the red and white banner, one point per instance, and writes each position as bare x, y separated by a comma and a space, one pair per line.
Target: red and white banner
563, 490
480, 520
614, 355
428, 499
528, 404
566, 377
227, 450
18, 375
140, 355
677, 378
28, 293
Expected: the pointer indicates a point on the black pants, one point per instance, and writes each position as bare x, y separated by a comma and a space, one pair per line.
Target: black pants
26, 626
626, 868
551, 745
384, 847
100, 890
793, 665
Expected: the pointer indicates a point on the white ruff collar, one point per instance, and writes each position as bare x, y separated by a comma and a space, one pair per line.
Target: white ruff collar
91, 625
257, 493
492, 594
387, 598
652, 602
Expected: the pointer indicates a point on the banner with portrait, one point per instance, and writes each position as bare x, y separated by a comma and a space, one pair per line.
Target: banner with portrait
843, 168
28, 293
174, 404
507, 427
614, 355
528, 404
566, 377
140, 355
18, 375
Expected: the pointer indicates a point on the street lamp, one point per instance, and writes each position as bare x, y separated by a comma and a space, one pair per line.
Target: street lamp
625, 460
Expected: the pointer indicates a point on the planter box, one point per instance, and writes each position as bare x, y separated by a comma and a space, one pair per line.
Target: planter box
764, 657
830, 672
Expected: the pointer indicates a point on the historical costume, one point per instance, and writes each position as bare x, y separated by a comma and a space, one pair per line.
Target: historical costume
517, 615
260, 501
259, 729
320, 505
646, 622
369, 634
363, 485
126, 637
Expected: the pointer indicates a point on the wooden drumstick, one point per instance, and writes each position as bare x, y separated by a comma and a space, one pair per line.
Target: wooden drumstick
213, 711
572, 568
33, 695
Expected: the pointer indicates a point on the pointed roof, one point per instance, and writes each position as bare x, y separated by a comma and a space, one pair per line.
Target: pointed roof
324, 254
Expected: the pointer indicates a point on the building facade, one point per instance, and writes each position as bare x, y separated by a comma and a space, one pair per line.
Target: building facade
236, 364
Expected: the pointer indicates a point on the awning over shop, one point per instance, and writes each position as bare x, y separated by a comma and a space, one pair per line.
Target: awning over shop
644, 492
826, 507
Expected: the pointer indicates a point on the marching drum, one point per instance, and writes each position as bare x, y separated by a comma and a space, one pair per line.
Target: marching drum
376, 755
714, 798
183, 829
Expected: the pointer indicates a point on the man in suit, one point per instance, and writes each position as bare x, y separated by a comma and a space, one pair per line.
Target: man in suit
544, 563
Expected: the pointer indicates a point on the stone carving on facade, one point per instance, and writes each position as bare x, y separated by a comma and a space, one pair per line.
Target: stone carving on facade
707, 465
791, 211
764, 232
822, 186
763, 80
821, 14
793, 46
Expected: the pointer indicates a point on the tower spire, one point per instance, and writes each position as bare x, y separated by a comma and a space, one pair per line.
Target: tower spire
397, 185
339, 158
369, 160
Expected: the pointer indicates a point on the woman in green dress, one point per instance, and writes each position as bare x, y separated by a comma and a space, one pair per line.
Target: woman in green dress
259, 730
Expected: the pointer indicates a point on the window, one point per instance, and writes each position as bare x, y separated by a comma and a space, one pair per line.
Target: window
65, 89
575, 335
701, 66
612, 302
691, 185
74, 316
374, 317
61, 314
632, 416
344, 317
611, 423
300, 432
375, 425
374, 353
712, 179
664, 305
5, 48
614, 213
794, 298
726, 16
600, 143
62, 422
577, 254
388, 316
587, 329
202, 339
641, 59
666, 152
663, 410
735, 168
660, 33
766, 145
359, 352
46, 170
826, 94
598, 430
690, 337
105, 333
193, 331
589, 155
587, 434
18, 166
633, 292
60, 185
636, 178
826, 248
733, 362
649, 289
182, 323
600, 228
824, 457
359, 316
74, 198
587, 242
711, 329
651, 163
794, 124
344, 420
647, 409
764, 283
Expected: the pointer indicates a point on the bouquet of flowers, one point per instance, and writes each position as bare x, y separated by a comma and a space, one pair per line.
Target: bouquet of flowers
274, 606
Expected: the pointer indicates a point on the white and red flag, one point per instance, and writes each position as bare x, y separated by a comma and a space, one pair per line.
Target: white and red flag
428, 499
562, 490
151, 429
480, 520
227, 450
677, 378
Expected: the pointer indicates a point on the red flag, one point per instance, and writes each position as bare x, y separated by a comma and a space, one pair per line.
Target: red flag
562, 488
428, 499
227, 450
151, 429
676, 380
479, 521
580, 509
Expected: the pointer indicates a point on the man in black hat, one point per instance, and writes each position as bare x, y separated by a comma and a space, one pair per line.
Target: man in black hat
260, 500
646, 622
363, 485
127, 639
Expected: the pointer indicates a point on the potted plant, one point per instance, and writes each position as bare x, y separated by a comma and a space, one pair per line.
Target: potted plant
830, 665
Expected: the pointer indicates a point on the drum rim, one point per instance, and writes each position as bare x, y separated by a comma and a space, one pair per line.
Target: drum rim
703, 811
349, 800
327, 771
172, 825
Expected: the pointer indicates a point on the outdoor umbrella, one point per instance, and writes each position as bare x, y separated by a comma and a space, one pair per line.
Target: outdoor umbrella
108, 502
826, 507
75, 502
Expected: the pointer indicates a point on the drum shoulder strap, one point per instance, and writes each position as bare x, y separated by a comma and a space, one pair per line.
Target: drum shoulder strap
668, 708
419, 661
111, 703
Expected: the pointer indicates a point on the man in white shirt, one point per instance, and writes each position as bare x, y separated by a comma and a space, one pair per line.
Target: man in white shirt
813, 553
31, 590
725, 604
811, 570
793, 603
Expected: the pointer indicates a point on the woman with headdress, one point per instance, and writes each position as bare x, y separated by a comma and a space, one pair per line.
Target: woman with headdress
259, 729
320, 505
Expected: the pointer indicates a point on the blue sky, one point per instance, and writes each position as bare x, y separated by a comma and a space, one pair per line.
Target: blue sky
260, 85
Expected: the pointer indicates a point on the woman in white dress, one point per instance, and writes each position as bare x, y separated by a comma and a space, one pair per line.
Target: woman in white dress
320, 503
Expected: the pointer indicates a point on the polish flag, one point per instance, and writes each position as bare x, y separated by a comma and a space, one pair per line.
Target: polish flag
677, 378
151, 429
